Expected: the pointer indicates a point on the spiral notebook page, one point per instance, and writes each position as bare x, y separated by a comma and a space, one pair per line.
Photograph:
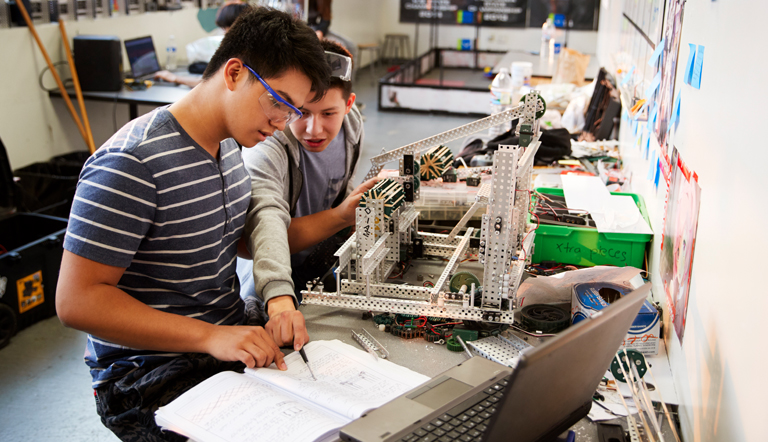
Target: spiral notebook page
349, 381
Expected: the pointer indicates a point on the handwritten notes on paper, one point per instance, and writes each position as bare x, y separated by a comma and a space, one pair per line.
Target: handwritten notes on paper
266, 404
344, 383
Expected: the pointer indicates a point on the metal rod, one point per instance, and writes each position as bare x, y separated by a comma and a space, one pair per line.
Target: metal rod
62, 89
664, 406
464, 346
632, 392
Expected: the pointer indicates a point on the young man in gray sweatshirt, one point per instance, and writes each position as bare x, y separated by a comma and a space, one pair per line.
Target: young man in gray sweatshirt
302, 194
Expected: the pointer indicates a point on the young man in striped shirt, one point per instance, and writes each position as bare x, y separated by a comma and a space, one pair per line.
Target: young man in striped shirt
149, 263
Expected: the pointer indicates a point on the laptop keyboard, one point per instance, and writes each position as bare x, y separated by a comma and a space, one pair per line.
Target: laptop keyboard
464, 422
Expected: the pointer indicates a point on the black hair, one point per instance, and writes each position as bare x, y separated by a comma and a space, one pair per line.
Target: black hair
338, 83
227, 14
272, 42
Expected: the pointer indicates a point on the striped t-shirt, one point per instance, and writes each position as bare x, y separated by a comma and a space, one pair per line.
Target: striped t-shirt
155, 202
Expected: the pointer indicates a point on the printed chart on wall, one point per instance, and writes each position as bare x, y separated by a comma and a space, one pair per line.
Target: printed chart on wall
679, 240
493, 13
667, 69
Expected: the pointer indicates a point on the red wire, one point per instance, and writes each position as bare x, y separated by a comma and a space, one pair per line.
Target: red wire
538, 221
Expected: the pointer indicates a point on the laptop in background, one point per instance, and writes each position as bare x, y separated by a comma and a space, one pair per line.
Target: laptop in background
549, 390
142, 57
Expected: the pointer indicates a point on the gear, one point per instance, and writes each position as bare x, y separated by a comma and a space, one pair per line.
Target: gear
453, 345
463, 278
544, 318
635, 357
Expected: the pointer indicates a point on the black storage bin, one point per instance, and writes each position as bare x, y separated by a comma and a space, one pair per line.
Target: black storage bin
29, 269
48, 188
30, 257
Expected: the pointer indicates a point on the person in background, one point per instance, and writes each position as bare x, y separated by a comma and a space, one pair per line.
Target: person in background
225, 17
302, 192
148, 269
319, 16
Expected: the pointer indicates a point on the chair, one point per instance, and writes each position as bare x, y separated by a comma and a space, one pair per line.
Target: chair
373, 48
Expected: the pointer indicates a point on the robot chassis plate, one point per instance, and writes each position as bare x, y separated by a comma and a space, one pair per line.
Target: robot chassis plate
505, 243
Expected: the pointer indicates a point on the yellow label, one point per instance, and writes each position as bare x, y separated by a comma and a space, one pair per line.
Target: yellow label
30, 291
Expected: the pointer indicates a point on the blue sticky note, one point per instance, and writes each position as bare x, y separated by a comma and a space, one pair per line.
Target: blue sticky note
654, 114
627, 76
658, 173
652, 166
656, 54
697, 66
646, 146
689, 65
653, 87
675, 117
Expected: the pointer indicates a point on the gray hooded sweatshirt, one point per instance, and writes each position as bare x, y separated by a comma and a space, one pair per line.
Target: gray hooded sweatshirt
276, 183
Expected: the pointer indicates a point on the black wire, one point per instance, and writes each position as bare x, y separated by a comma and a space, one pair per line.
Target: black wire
68, 82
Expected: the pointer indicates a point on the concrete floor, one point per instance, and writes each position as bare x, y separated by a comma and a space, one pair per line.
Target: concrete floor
45, 392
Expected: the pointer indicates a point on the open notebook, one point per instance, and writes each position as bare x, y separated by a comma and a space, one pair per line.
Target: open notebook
266, 404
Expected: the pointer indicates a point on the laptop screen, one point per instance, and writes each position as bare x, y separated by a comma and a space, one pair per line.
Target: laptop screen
552, 386
142, 56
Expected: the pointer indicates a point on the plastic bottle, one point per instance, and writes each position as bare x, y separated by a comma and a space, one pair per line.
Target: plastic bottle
501, 99
559, 40
170, 54
548, 38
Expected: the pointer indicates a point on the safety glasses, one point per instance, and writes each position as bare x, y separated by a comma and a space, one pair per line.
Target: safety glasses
275, 107
341, 65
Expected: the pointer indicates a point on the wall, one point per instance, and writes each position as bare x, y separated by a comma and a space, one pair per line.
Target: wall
33, 126
490, 38
718, 368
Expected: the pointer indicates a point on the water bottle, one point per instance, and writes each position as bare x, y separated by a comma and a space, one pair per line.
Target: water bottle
548, 38
501, 99
170, 54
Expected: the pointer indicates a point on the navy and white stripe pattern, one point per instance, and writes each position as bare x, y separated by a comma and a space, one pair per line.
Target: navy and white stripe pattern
155, 202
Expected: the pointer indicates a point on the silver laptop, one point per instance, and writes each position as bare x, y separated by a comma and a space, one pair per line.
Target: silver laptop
549, 390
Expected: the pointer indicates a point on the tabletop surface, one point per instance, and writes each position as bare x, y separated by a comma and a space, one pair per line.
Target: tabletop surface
158, 94
430, 359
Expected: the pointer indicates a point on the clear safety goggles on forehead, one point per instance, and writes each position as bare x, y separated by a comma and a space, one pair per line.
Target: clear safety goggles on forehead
274, 106
341, 65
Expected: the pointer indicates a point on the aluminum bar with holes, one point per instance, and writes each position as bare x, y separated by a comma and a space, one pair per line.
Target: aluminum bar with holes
454, 134
450, 268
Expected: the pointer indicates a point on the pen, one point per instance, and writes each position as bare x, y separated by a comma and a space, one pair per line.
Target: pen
306, 361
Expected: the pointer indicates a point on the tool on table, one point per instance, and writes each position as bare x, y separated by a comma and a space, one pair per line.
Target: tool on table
464, 346
370, 344
306, 361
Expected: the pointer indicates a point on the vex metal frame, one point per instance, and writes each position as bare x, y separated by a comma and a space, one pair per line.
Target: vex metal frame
504, 246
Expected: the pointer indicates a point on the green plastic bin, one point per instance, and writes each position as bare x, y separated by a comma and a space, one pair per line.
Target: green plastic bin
587, 247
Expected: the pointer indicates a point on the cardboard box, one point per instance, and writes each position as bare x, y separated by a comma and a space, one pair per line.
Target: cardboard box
645, 332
